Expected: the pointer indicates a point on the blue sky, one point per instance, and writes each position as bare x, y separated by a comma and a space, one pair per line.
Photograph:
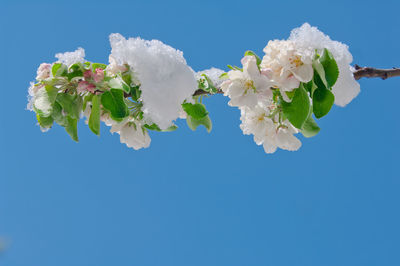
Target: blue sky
192, 198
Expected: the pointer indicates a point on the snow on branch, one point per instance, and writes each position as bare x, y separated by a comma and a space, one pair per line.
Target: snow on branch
148, 85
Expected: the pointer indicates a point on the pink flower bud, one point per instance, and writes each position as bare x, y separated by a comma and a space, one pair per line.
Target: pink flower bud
87, 74
84, 86
98, 75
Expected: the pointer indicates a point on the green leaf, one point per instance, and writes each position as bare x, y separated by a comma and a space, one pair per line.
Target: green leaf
224, 76
298, 109
71, 104
319, 74
310, 127
98, 65
86, 99
45, 122
59, 70
75, 70
58, 116
72, 128
323, 100
210, 88
310, 87
44, 100
155, 127
94, 119
119, 83
235, 68
330, 68
197, 110
135, 92
113, 101
194, 123
253, 54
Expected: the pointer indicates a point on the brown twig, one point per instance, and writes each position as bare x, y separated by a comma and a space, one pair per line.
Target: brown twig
370, 72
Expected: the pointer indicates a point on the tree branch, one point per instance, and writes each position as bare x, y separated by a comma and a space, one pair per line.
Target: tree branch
360, 72
370, 72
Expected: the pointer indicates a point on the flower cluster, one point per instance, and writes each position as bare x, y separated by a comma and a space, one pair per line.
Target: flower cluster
148, 85
278, 94
145, 86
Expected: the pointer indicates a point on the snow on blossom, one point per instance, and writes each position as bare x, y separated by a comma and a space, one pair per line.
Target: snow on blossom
132, 134
43, 72
287, 65
268, 131
70, 58
247, 87
213, 73
166, 80
113, 67
346, 87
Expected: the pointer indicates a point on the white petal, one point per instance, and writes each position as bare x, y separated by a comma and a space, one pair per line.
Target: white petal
287, 141
236, 74
269, 147
346, 87
289, 82
304, 73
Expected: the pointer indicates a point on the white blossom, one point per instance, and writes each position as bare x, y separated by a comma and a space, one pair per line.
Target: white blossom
287, 65
113, 67
346, 87
247, 87
70, 58
43, 72
132, 133
166, 80
267, 128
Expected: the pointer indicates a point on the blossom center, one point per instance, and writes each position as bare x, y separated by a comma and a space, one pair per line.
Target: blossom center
296, 61
249, 84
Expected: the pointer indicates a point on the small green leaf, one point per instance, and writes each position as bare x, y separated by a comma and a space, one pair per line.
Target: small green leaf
310, 127
194, 123
45, 122
98, 65
155, 127
58, 116
118, 83
72, 128
330, 68
210, 88
71, 104
253, 54
197, 110
323, 100
298, 109
59, 70
44, 100
86, 99
113, 101
224, 76
319, 74
94, 119
75, 70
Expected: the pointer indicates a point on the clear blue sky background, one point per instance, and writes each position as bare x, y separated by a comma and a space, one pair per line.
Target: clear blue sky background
192, 198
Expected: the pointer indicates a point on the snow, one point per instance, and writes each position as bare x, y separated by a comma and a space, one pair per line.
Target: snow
70, 58
166, 80
346, 87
